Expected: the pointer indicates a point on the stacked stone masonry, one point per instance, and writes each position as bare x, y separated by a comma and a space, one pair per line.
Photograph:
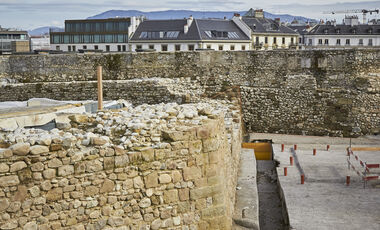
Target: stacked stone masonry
314, 92
163, 166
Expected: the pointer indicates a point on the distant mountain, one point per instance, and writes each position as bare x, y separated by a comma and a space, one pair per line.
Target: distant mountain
42, 30
176, 14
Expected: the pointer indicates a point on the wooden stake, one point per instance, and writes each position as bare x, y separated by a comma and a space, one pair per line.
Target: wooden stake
99, 71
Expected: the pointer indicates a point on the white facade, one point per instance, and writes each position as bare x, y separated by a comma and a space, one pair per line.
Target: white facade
163, 46
333, 41
40, 43
107, 47
270, 41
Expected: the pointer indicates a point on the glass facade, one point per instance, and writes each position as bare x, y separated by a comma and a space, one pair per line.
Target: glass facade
88, 38
92, 31
92, 26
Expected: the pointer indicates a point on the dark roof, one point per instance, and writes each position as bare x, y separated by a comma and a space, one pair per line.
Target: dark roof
300, 29
98, 20
196, 30
266, 25
219, 25
363, 29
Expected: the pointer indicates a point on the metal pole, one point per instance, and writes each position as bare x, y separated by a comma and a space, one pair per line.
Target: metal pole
100, 87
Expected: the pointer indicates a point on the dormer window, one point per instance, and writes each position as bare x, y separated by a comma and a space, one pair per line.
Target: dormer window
354, 31
337, 31
326, 31
370, 31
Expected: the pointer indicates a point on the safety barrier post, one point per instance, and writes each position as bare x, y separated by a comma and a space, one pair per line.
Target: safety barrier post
314, 152
291, 160
285, 171
282, 147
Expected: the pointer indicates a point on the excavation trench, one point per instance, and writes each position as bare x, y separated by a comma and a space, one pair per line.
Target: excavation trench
272, 210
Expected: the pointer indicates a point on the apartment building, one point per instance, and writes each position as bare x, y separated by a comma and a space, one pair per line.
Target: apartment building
347, 35
12, 40
110, 35
191, 34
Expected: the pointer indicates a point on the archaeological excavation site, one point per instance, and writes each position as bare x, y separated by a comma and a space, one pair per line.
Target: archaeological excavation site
194, 140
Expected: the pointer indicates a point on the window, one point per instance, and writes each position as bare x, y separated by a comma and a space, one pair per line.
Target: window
190, 47
326, 41
96, 47
361, 42
159, 34
57, 48
274, 40
208, 46
292, 41
243, 47
347, 41
370, 42
310, 41
266, 40
151, 47
74, 48
232, 47
138, 47
124, 48
119, 48
257, 40
164, 47
107, 48
320, 41
300, 40
220, 47
84, 47
338, 41
177, 47
232, 35
283, 41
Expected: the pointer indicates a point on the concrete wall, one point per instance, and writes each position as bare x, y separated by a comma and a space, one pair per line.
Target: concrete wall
316, 92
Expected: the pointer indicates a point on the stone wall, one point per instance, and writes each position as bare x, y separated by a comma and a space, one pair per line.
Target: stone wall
318, 92
150, 167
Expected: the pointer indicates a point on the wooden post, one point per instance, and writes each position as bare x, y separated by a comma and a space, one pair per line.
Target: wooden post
314, 152
99, 70
302, 179
285, 171
282, 147
291, 160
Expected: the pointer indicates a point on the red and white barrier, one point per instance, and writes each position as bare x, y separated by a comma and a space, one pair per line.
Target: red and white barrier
365, 167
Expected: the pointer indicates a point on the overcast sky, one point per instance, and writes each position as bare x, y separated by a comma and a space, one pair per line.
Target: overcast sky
29, 14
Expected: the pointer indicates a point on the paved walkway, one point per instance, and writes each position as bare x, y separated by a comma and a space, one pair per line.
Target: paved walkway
324, 201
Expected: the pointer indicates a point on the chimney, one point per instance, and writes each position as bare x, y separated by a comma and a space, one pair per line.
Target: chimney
188, 24
259, 13
236, 15
277, 21
225, 18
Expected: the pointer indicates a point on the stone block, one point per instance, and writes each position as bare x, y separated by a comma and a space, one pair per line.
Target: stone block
161, 154
37, 167
183, 194
94, 166
30, 226
79, 118
56, 147
147, 154
145, 202
214, 211
80, 167
54, 163
115, 221
210, 144
138, 183
205, 192
54, 194
4, 168
121, 161
156, 224
34, 191
134, 157
108, 186
49, 173
11, 224
192, 173
99, 140
109, 163
4, 204
5, 153
20, 149
177, 176
65, 170
91, 190
195, 147
38, 149
165, 178
180, 145
6, 181
170, 196
214, 157
171, 135
151, 180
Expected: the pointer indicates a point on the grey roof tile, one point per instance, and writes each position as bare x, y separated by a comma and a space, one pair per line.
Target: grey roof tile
363, 29
266, 25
